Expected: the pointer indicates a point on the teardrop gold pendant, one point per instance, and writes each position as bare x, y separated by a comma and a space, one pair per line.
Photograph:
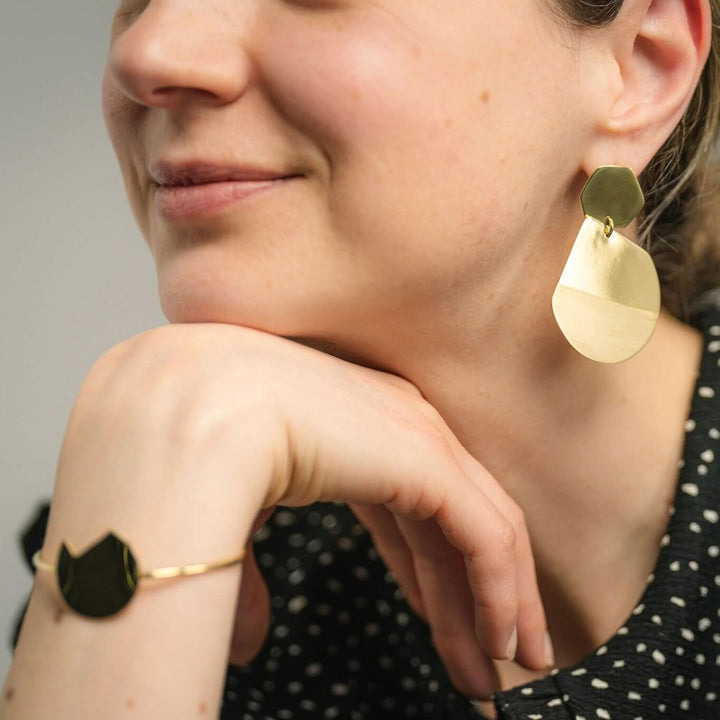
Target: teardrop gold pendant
607, 300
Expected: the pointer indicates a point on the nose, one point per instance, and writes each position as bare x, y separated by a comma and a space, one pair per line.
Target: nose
176, 53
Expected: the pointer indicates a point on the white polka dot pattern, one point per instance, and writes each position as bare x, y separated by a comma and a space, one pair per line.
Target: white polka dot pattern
344, 643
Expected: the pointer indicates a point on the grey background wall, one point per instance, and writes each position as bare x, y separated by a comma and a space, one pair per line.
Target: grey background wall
75, 274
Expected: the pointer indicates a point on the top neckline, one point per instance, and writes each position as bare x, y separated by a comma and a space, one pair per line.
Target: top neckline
706, 318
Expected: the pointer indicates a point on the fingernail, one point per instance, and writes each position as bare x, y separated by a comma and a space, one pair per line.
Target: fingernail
512, 645
549, 654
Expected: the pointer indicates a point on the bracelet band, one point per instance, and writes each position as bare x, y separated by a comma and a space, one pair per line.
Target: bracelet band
102, 581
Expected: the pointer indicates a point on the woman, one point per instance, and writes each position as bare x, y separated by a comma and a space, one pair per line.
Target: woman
359, 290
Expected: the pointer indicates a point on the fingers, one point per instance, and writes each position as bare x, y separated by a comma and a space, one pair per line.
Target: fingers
443, 580
534, 645
433, 575
486, 539
394, 450
464, 625
393, 549
464, 557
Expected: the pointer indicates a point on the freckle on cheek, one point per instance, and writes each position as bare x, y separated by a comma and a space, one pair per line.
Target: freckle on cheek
203, 708
10, 694
130, 704
485, 96
448, 122
59, 615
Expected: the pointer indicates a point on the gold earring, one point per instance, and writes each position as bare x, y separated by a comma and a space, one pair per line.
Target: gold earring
607, 300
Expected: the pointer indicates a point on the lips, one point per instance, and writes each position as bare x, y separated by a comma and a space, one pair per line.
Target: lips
199, 173
197, 190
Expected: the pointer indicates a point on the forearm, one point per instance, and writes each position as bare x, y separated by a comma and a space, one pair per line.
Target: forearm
165, 654
178, 467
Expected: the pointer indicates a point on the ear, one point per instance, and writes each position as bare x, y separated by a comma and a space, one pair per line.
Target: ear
658, 51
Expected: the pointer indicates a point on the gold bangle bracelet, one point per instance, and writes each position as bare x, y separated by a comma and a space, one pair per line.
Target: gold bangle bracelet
103, 580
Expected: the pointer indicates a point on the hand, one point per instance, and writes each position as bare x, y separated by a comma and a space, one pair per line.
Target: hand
394, 434
319, 429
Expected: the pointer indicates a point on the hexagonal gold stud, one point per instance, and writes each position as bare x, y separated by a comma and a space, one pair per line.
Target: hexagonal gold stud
612, 191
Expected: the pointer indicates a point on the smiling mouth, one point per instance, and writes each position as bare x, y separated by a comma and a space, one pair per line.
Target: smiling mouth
193, 201
194, 172
193, 190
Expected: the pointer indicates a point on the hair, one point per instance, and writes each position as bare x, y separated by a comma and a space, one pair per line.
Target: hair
682, 181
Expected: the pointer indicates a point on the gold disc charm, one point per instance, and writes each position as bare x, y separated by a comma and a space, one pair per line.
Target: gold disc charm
101, 581
607, 301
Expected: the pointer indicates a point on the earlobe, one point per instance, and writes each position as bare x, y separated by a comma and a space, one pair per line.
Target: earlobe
660, 50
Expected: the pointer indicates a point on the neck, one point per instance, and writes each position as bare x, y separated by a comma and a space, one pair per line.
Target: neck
589, 451
516, 395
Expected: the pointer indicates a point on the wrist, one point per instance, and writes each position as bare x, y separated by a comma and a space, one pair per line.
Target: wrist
198, 506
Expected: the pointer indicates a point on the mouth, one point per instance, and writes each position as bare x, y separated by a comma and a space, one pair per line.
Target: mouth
192, 190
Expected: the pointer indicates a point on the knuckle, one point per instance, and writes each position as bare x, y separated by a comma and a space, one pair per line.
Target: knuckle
162, 336
492, 583
108, 362
431, 414
516, 515
175, 373
405, 385
95, 390
500, 608
433, 438
493, 625
495, 597
131, 350
417, 500
514, 511
506, 537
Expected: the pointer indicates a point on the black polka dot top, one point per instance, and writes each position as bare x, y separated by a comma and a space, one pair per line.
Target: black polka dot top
343, 642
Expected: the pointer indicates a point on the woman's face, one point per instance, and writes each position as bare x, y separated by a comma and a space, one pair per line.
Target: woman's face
430, 144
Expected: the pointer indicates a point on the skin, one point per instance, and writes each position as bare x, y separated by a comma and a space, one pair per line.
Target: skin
442, 166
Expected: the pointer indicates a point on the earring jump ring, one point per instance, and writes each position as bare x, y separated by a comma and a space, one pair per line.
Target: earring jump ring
609, 226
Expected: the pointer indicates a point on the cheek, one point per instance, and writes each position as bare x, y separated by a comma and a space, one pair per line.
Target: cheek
339, 84
432, 146
349, 88
407, 135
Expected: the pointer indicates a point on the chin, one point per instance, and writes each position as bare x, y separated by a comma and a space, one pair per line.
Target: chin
192, 303
192, 310
181, 308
